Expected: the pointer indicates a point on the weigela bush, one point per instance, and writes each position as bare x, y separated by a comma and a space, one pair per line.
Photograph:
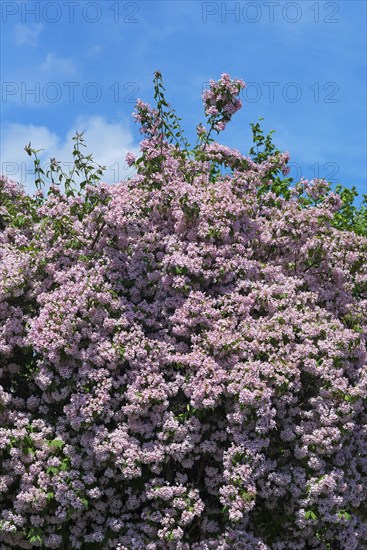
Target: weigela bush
183, 354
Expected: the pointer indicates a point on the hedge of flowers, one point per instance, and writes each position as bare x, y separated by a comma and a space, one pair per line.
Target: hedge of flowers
183, 354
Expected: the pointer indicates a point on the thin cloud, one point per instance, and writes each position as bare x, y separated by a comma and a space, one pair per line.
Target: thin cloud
107, 142
26, 35
54, 63
95, 50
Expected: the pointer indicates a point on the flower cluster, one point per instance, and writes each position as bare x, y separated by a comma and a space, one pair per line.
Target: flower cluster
221, 101
182, 365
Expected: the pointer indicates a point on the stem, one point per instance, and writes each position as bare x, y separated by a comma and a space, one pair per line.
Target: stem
98, 234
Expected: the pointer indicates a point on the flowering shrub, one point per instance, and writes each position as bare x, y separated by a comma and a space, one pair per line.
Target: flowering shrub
183, 354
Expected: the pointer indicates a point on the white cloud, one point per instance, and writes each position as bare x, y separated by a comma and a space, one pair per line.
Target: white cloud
107, 142
57, 65
27, 35
95, 50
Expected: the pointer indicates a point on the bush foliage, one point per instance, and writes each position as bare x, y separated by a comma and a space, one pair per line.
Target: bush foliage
183, 354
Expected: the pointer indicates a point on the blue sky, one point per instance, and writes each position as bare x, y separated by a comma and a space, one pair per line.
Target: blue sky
80, 65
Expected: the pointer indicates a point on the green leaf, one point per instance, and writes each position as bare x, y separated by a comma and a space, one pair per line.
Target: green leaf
58, 443
52, 470
64, 465
36, 538
246, 496
310, 514
342, 514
